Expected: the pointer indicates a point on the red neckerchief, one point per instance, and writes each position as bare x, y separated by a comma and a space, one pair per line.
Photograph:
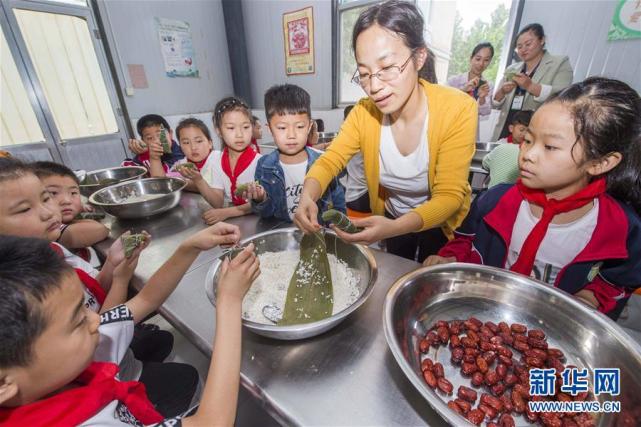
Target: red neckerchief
72, 407
201, 163
510, 139
551, 207
255, 144
93, 285
246, 158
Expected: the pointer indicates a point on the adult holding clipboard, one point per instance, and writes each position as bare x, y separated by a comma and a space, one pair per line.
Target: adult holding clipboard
417, 140
528, 83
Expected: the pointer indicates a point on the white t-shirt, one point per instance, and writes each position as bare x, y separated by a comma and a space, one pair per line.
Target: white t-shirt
294, 177
216, 178
404, 177
356, 182
561, 244
91, 302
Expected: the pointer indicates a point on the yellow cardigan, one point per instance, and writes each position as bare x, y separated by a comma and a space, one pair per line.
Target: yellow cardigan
451, 140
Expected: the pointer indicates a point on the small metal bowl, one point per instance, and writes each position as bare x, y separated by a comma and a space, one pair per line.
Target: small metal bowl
357, 257
482, 150
139, 199
458, 291
102, 178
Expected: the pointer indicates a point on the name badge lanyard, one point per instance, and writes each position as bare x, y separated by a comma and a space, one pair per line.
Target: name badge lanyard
519, 94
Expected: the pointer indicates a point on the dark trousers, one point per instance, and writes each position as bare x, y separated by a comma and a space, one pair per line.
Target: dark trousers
416, 246
170, 386
150, 345
361, 204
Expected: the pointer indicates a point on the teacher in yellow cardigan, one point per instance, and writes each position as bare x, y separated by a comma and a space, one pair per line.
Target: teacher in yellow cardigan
417, 140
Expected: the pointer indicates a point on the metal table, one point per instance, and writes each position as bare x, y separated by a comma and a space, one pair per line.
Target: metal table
346, 376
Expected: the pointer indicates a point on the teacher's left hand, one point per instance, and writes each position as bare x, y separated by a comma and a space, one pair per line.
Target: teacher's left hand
375, 228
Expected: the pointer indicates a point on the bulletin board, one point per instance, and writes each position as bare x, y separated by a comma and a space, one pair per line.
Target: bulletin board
177, 48
298, 33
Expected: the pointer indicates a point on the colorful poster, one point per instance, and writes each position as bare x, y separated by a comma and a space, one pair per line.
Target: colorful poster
298, 31
626, 22
177, 48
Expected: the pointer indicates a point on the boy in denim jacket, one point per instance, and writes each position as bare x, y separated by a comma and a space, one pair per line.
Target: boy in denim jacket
280, 174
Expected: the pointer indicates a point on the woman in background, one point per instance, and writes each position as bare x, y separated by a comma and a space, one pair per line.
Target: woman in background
473, 82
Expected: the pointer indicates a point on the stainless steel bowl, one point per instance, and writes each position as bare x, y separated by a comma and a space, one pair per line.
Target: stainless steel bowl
457, 291
140, 198
94, 180
356, 256
324, 137
482, 149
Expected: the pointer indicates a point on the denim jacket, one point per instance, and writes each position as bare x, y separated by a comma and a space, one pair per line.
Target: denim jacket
271, 177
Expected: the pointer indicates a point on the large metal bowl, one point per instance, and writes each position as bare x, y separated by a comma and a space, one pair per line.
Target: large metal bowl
123, 200
457, 291
356, 256
95, 180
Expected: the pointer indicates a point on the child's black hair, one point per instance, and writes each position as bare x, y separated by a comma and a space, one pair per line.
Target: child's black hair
46, 169
12, 168
29, 270
225, 105
192, 122
151, 120
607, 119
287, 99
255, 120
522, 117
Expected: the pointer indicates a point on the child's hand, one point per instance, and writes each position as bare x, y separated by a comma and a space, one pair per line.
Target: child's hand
137, 146
212, 216
237, 276
216, 235
125, 270
190, 173
116, 253
255, 192
155, 150
435, 260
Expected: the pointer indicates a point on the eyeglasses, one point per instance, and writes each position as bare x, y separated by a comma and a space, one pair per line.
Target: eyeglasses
385, 75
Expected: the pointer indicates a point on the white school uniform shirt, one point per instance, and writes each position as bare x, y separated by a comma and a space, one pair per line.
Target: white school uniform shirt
294, 177
116, 332
216, 178
404, 177
356, 183
561, 244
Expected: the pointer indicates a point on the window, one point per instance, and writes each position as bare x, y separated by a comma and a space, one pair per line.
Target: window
18, 123
348, 11
66, 65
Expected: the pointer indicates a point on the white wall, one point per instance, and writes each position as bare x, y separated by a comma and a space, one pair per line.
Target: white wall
579, 29
133, 37
266, 51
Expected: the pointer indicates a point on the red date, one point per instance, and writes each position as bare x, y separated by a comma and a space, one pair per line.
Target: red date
501, 370
507, 338
468, 358
468, 342
455, 341
481, 363
457, 355
492, 401
520, 338
506, 420
498, 389
443, 334
477, 379
487, 346
468, 368
454, 407
471, 352
438, 370
426, 364
424, 345
490, 413
534, 362
556, 353
489, 356
445, 386
506, 400
430, 379
510, 379
476, 416
505, 360
521, 346
470, 326
522, 390
496, 340
466, 393
536, 352
473, 336
455, 327
491, 378
534, 343
476, 321
441, 324
464, 405
517, 328
518, 402
536, 334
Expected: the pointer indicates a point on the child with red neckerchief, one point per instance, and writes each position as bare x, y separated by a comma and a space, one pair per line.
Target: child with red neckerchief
230, 168
572, 220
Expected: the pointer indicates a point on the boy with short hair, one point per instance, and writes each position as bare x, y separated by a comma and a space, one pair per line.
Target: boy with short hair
503, 161
149, 146
58, 360
78, 235
281, 173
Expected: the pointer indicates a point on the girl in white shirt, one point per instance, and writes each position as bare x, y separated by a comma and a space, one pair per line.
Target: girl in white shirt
230, 168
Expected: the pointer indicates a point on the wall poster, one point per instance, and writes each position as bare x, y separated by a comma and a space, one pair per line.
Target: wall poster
177, 48
298, 31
